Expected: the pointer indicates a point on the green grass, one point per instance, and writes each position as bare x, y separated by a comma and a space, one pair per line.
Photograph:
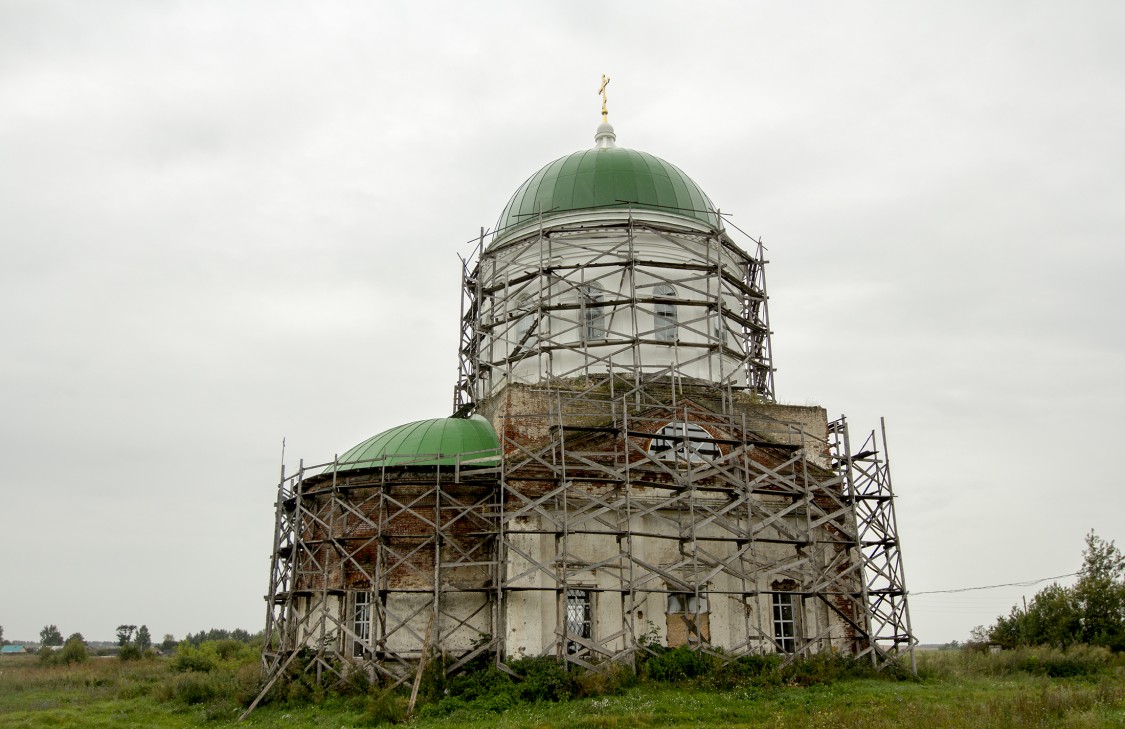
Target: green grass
955, 690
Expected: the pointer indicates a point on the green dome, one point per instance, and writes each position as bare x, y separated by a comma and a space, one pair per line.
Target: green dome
436, 442
607, 177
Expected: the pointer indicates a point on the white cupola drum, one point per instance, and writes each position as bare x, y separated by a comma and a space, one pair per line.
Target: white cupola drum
613, 261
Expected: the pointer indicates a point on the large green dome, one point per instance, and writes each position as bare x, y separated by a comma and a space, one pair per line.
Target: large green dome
606, 177
435, 442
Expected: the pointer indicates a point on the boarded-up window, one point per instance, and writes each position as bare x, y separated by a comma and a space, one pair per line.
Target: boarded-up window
689, 619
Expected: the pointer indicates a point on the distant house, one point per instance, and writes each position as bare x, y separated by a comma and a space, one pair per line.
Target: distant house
11, 649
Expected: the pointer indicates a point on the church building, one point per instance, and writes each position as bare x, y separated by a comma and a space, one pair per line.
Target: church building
615, 473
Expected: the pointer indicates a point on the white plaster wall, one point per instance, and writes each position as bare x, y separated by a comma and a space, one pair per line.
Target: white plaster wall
533, 616
559, 345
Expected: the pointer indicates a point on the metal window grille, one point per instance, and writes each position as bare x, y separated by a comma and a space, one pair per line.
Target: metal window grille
579, 617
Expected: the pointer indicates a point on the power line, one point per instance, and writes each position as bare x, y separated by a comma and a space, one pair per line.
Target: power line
992, 587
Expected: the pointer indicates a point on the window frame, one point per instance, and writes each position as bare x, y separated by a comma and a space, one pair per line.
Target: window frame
362, 602
674, 442
785, 629
579, 599
593, 313
665, 316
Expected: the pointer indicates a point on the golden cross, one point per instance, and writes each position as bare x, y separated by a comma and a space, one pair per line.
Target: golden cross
601, 90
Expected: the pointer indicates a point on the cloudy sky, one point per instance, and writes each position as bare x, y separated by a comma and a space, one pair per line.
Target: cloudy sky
223, 224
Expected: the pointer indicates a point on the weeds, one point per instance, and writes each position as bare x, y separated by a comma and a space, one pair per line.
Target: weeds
1079, 687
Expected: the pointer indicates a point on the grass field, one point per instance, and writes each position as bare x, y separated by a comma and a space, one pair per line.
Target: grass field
954, 690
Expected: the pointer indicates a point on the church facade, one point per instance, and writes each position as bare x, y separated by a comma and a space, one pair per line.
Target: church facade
615, 475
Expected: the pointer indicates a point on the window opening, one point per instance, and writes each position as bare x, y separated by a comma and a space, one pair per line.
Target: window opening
579, 618
361, 622
785, 621
526, 318
689, 620
683, 443
665, 313
593, 311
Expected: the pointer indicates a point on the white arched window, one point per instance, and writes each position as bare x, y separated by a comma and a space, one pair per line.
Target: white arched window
593, 312
665, 313
683, 443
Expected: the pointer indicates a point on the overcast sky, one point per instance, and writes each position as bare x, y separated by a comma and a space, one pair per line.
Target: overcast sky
227, 223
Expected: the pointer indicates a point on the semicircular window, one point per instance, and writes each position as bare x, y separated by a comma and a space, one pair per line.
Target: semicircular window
683, 443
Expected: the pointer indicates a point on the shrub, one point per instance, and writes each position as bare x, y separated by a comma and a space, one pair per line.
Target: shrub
610, 679
680, 664
193, 688
74, 651
130, 652
189, 658
477, 684
228, 649
384, 707
544, 679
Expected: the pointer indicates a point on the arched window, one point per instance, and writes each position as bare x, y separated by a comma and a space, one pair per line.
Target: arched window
665, 313
683, 443
593, 312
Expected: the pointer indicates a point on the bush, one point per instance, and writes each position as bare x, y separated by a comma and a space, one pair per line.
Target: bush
385, 707
227, 649
193, 688
74, 651
544, 679
1075, 661
189, 658
608, 680
680, 664
473, 685
130, 652
753, 670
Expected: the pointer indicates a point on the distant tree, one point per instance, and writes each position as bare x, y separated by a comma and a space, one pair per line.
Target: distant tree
125, 634
144, 640
50, 635
75, 636
73, 651
1091, 612
2, 641
168, 643
1100, 594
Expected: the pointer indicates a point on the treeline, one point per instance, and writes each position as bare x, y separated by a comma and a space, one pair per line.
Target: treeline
1092, 612
217, 634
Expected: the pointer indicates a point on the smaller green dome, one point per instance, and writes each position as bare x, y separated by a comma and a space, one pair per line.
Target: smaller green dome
434, 442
